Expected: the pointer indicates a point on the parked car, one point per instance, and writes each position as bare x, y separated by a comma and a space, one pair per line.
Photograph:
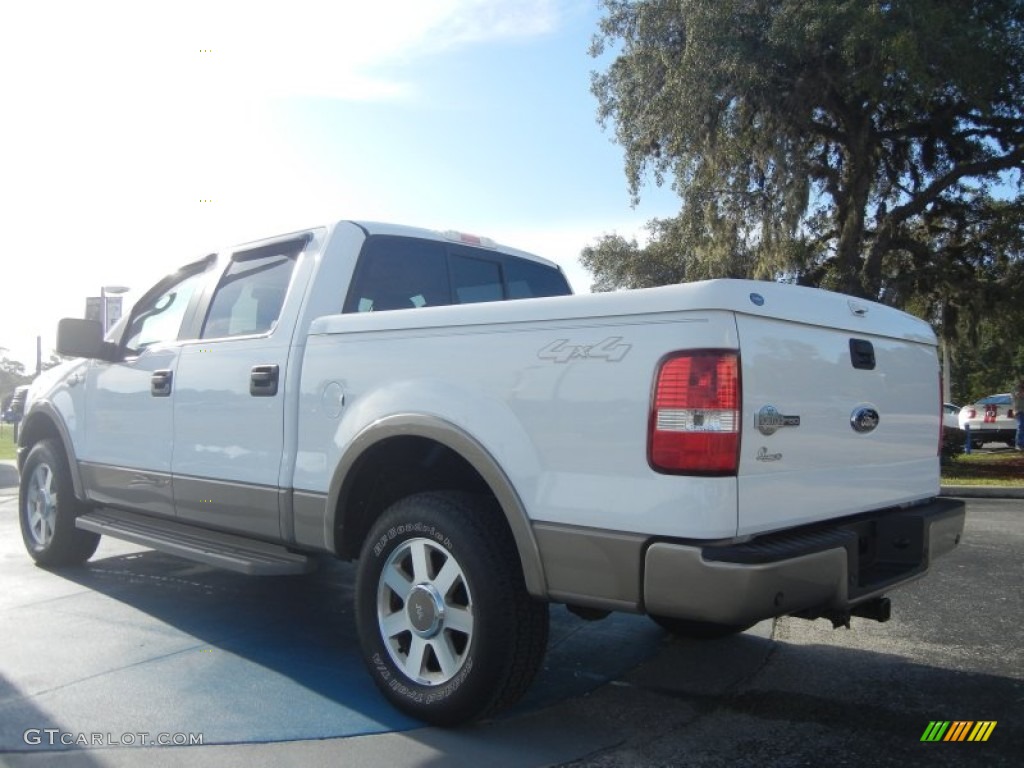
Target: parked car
950, 416
17, 406
991, 420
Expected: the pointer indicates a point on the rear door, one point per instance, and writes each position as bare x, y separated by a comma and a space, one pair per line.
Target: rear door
838, 420
230, 387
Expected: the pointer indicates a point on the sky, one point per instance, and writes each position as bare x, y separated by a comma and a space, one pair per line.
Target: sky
136, 137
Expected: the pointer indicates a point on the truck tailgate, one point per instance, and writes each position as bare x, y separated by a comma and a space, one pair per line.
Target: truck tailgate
842, 414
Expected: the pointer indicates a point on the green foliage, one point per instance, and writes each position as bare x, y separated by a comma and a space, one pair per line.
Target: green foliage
868, 147
953, 444
1002, 468
8, 448
989, 357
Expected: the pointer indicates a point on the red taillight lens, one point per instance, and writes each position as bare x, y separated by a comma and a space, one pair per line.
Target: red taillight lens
695, 414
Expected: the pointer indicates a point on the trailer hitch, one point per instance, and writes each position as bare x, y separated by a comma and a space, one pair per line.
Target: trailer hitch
878, 609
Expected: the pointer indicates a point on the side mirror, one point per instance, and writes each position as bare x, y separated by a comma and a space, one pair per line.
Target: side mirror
82, 338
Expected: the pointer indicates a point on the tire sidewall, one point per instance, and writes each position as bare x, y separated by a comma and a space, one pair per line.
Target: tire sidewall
472, 687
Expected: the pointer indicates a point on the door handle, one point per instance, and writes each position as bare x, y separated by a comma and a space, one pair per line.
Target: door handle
160, 383
263, 381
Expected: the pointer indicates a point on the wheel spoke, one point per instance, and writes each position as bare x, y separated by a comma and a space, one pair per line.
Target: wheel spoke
414, 660
458, 620
449, 574
394, 624
420, 562
39, 523
46, 481
445, 654
397, 581
36, 526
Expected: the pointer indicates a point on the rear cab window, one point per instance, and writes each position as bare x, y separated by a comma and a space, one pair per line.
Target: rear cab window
396, 272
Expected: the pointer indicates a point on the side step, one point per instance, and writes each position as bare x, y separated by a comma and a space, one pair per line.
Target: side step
224, 550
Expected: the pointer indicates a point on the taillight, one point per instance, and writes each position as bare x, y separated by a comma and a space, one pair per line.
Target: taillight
972, 414
695, 414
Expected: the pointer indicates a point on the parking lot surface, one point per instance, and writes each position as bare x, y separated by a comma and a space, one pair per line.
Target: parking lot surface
268, 673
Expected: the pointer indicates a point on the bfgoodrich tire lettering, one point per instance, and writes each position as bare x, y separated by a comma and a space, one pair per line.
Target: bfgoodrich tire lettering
447, 628
47, 509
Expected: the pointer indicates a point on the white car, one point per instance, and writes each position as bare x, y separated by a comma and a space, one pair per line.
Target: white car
991, 420
950, 416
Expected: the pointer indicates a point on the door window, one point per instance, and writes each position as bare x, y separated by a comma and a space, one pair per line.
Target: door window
158, 315
250, 295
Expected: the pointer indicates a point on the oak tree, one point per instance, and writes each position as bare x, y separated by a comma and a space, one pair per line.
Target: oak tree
872, 147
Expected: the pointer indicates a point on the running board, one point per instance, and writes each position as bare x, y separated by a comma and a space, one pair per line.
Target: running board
224, 550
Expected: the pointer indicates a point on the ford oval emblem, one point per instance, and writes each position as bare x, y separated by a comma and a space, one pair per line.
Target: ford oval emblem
757, 299
864, 419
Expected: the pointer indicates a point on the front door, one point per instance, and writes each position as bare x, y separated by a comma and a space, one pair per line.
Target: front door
129, 429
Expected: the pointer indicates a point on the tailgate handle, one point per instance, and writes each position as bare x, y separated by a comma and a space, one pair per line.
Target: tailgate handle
862, 354
263, 381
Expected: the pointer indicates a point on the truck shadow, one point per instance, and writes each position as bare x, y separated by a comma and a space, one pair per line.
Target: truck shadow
266, 659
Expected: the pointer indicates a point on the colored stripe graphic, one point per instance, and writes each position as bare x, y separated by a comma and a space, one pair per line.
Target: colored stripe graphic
935, 731
982, 730
958, 730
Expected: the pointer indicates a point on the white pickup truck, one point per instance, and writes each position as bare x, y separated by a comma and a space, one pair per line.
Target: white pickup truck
710, 454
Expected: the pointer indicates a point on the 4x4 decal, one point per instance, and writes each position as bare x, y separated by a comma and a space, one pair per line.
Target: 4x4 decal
611, 350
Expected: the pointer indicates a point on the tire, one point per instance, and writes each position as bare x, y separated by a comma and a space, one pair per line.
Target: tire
47, 509
448, 631
698, 630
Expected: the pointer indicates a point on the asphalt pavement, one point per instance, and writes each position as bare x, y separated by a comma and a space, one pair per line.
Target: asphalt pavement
138, 642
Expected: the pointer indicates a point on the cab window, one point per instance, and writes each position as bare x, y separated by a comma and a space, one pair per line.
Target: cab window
251, 293
475, 280
406, 273
399, 273
159, 314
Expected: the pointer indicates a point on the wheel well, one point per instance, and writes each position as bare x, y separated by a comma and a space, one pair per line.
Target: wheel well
38, 427
391, 470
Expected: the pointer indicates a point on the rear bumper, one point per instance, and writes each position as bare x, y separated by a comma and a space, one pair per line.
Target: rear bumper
812, 570
992, 434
